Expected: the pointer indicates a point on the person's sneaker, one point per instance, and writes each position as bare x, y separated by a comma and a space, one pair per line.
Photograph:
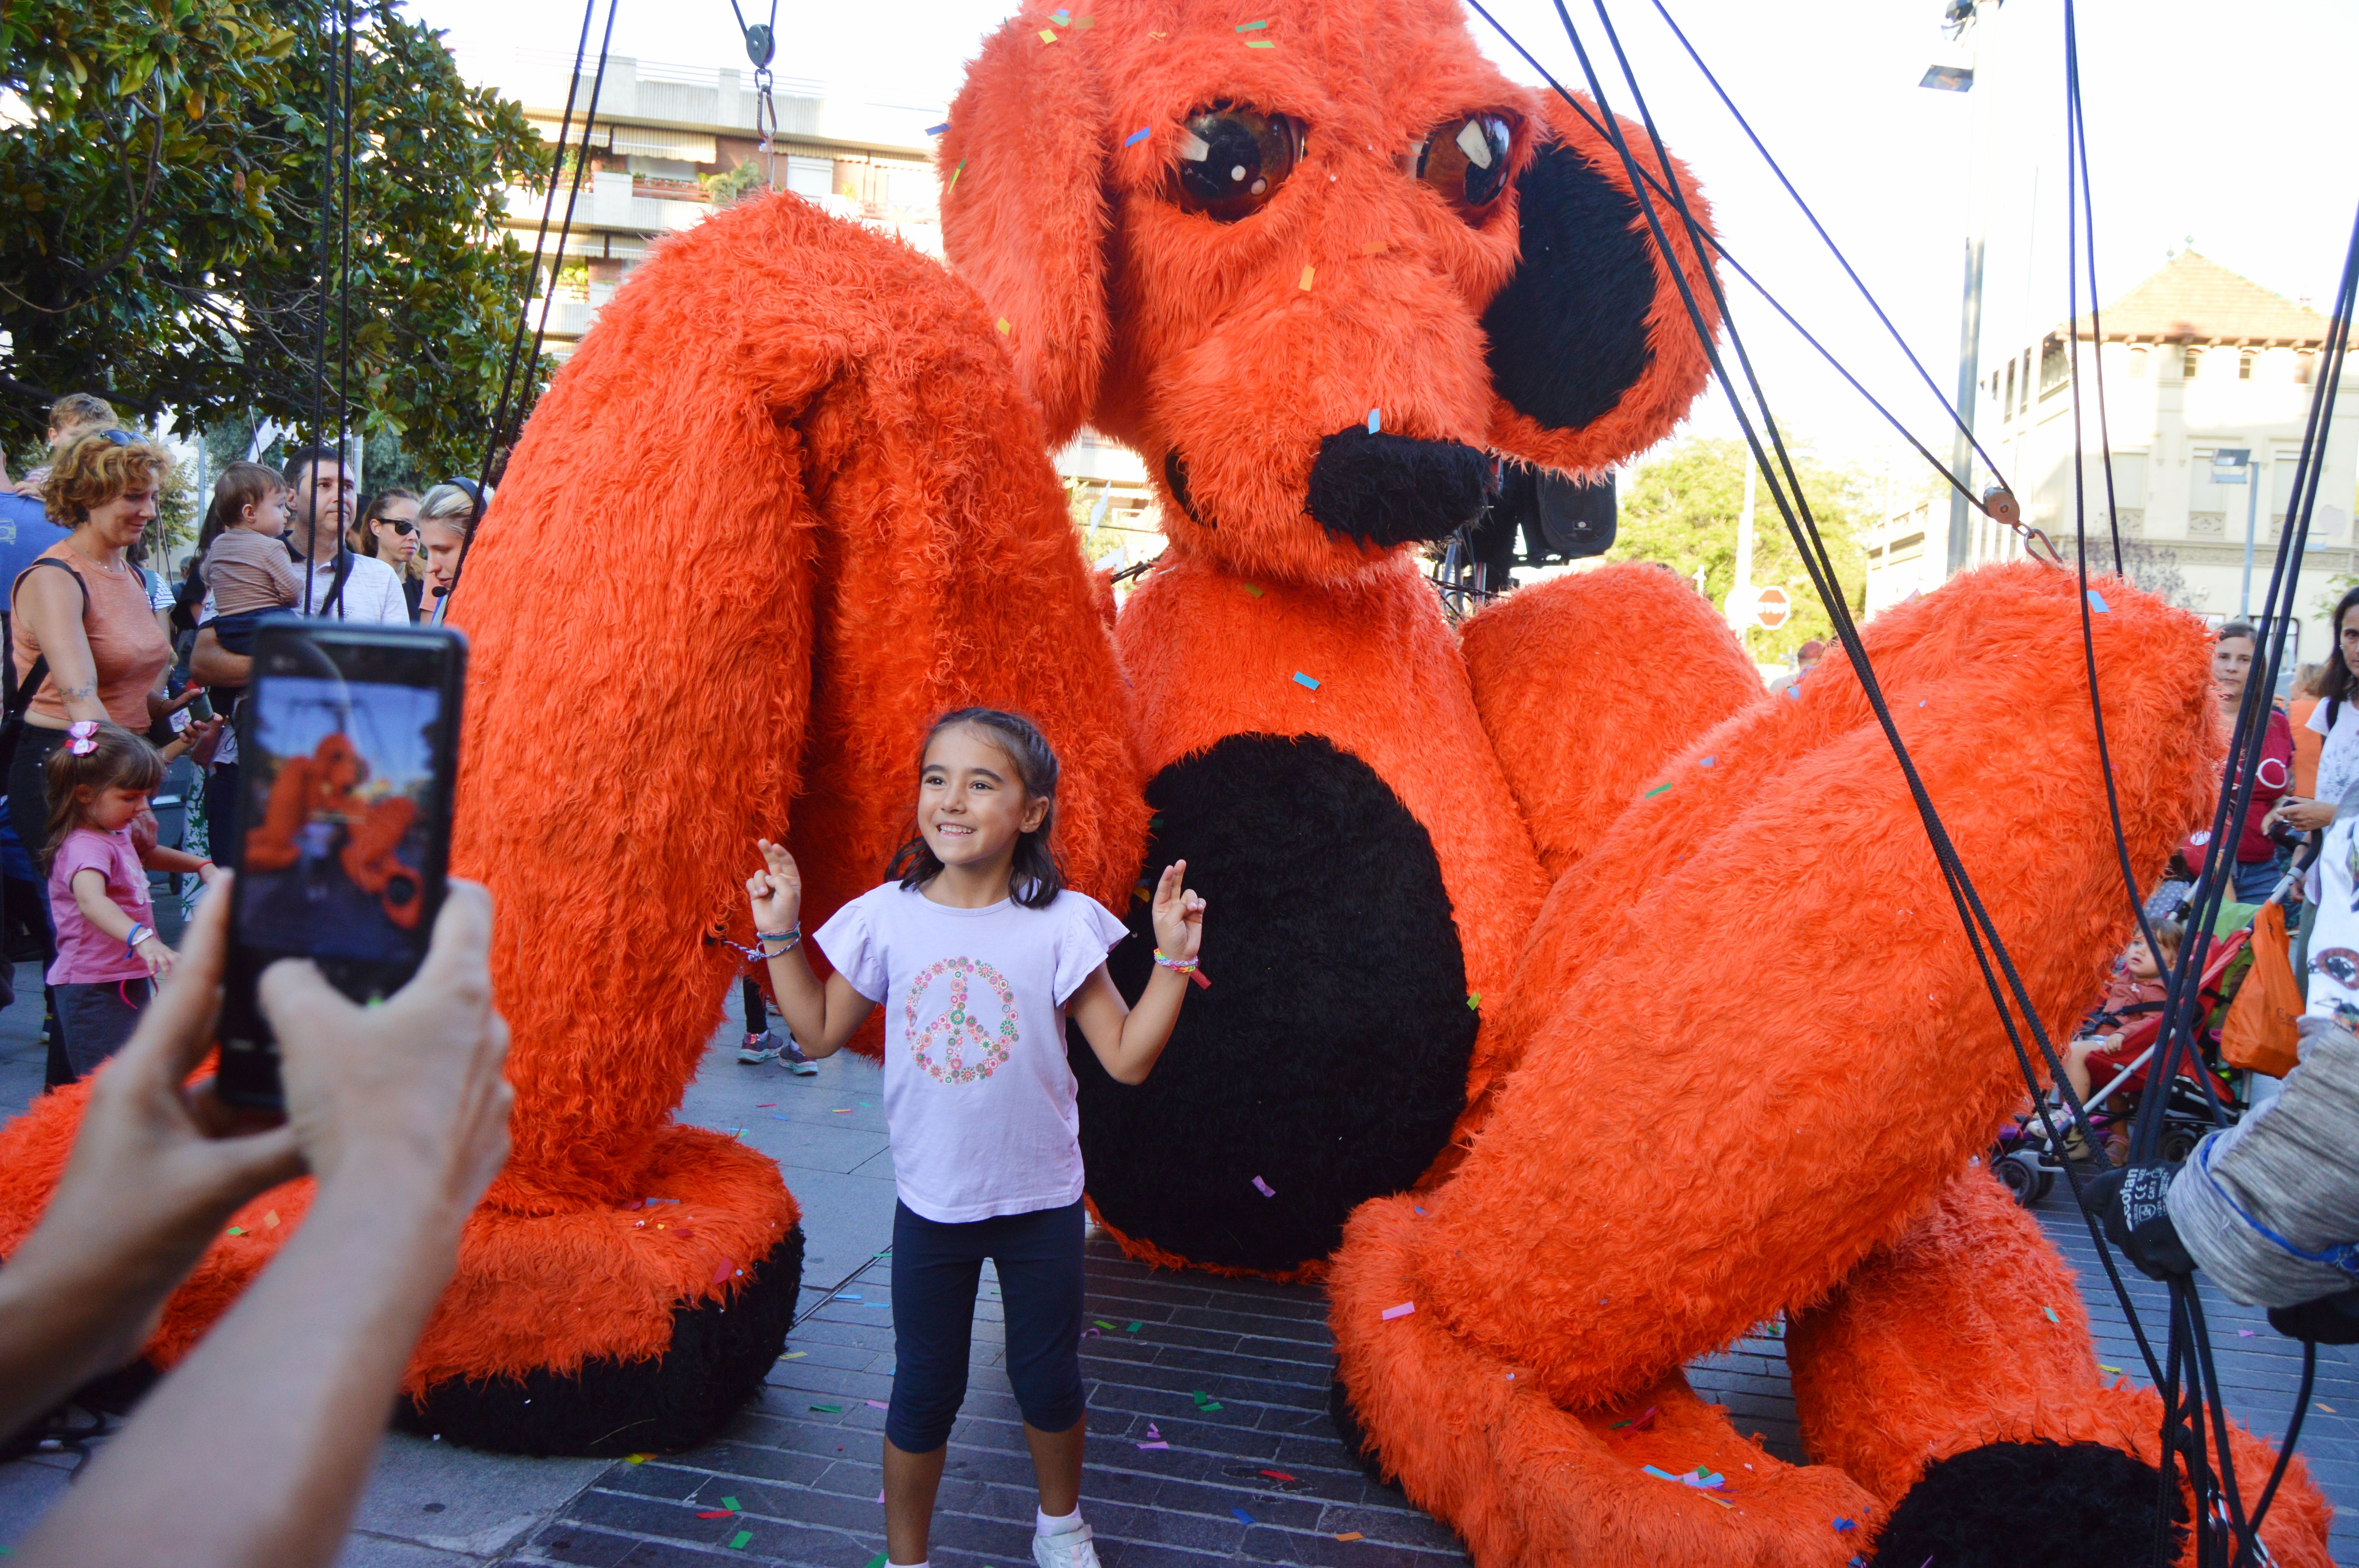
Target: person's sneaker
791, 1057
1067, 1549
760, 1048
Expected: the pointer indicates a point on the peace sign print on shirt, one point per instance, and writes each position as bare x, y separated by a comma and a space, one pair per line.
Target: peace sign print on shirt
956, 1046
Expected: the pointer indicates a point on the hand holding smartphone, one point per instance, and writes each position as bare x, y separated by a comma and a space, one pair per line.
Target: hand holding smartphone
348, 747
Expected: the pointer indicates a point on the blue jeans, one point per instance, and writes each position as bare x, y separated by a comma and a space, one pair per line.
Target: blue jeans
936, 1269
2255, 880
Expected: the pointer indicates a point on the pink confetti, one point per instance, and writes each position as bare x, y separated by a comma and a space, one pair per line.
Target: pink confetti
1152, 1433
876, 1404
721, 1274
1401, 1310
1264, 1188
1156, 1444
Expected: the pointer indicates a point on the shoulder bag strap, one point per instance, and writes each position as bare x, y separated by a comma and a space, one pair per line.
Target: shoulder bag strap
21, 697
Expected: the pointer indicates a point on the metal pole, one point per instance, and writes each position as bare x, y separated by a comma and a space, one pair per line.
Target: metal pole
1970, 313
2252, 515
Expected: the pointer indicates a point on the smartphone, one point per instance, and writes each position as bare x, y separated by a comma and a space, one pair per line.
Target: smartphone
347, 754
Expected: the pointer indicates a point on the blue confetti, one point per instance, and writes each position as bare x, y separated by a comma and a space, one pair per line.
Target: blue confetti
2097, 601
1795, 691
937, 130
1138, 135
1843, 1524
1707, 762
1243, 1517
1303, 680
1375, 421
847, 1296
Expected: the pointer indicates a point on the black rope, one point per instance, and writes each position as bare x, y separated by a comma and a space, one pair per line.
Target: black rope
515, 416
1721, 250
540, 236
334, 601
1965, 428
1803, 529
328, 173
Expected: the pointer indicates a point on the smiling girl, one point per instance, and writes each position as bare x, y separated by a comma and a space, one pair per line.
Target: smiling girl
979, 952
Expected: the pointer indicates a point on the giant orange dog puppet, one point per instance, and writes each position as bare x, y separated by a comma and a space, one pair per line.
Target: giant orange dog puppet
1558, 918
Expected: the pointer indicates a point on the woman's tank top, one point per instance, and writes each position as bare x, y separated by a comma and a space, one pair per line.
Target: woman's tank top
125, 645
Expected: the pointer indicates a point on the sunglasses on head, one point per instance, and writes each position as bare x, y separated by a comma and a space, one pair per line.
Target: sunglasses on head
117, 435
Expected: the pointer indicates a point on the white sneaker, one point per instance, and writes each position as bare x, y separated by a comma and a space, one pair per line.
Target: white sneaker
1067, 1549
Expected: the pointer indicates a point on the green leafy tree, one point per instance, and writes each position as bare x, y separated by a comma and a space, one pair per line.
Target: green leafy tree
160, 220
1681, 510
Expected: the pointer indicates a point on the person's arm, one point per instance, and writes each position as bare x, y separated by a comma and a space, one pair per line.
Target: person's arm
820, 1017
90, 897
159, 859
51, 603
151, 1182
210, 665
1128, 1039
402, 1113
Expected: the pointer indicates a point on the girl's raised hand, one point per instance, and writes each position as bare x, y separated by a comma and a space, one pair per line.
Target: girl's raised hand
1178, 914
776, 890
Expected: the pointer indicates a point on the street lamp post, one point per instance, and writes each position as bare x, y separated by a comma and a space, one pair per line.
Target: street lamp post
1961, 16
2234, 465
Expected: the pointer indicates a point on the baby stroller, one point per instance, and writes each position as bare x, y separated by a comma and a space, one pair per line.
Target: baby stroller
2028, 1161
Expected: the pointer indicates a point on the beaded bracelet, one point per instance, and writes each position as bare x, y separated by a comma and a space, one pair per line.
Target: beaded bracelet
792, 938
1177, 966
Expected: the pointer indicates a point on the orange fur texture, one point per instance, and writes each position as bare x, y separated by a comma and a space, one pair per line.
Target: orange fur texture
1811, 1062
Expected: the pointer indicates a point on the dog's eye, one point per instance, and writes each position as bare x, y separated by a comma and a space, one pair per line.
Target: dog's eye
1466, 160
1232, 160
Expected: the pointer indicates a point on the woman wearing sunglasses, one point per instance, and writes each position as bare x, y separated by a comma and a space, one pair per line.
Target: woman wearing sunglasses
388, 530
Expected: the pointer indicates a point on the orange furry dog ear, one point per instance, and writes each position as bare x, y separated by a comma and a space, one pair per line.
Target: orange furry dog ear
1592, 354
1025, 215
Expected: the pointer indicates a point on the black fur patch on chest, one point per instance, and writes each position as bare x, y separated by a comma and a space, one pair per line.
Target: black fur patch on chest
1569, 332
1328, 1058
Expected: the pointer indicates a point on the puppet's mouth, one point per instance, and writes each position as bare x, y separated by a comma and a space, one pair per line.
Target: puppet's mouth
1387, 490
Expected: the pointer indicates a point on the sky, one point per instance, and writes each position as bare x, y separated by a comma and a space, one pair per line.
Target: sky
2208, 125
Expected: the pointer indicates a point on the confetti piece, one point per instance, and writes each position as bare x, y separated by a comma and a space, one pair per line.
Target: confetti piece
846, 1297
794, 1356
718, 1513
1134, 1328
1249, 26
829, 1410
1243, 1517
1254, 588
1264, 1188
1155, 1444
722, 1274
236, 1230
737, 1542
2102, 1368
2097, 601
1707, 762
1842, 1525
270, 1221
1401, 1310
876, 1561
1263, 44
730, 1504
2050, 1313
1152, 1433
1102, 1323
1277, 1474
1795, 691
1047, 37
1375, 421
1474, 1001
880, 1496
840, 1110
1003, 325
2321, 1404
1418, 1210
937, 130
776, 1117
1061, 16
1308, 683
2244, 1334
1138, 135
766, 1105
639, 1458
953, 186
1308, 273
1082, 21
1656, 791
875, 1404
1351, 1535
1372, 247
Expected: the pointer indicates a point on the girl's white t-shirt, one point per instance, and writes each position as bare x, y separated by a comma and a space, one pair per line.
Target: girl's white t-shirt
981, 1107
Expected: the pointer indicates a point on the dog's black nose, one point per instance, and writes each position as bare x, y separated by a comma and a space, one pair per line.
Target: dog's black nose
1393, 489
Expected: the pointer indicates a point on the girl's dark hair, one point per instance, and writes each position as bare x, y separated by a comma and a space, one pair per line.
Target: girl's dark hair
1034, 880
2335, 683
241, 485
118, 759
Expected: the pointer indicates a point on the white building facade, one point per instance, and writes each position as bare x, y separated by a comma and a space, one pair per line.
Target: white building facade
2197, 362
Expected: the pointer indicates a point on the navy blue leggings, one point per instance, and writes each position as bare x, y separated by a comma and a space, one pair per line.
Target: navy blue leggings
936, 1268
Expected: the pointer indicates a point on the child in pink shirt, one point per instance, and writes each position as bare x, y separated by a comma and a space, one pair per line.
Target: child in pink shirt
108, 949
